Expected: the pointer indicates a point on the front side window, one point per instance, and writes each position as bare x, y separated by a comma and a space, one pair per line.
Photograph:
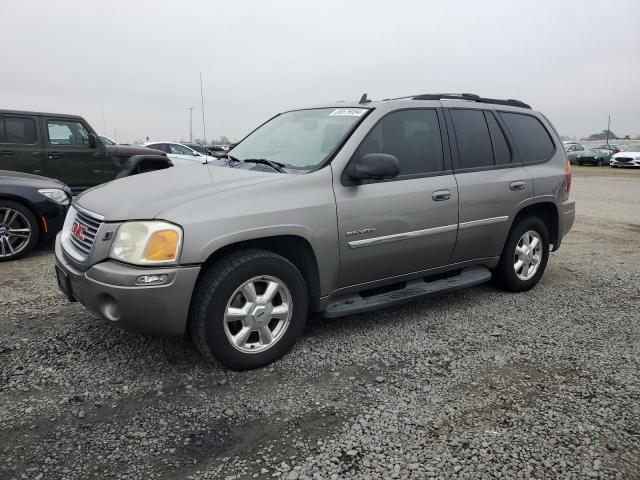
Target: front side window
67, 132
300, 139
412, 136
473, 140
17, 130
532, 140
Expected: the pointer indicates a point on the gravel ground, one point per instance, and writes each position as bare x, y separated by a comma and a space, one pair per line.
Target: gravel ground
476, 384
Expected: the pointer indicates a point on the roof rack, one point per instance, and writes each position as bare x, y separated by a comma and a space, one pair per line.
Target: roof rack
470, 97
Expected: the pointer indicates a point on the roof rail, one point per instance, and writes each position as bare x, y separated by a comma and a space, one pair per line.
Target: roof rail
470, 97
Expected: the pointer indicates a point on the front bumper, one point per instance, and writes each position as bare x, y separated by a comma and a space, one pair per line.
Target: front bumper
628, 163
108, 290
566, 217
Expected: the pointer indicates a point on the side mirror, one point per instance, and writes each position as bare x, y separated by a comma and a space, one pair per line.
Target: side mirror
196, 154
93, 140
375, 166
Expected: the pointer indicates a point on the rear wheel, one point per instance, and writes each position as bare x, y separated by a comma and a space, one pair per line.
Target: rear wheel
525, 255
19, 230
600, 162
248, 309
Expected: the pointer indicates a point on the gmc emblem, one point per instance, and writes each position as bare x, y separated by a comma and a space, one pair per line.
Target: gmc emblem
77, 230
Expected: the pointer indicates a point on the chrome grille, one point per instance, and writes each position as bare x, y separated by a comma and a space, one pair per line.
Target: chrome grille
91, 226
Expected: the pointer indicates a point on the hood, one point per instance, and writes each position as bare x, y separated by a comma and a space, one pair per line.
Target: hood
28, 179
147, 195
132, 150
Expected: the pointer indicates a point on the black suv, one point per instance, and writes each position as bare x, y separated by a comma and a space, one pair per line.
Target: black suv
66, 148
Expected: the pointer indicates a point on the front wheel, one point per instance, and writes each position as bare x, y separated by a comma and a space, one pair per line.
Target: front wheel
525, 255
248, 309
19, 230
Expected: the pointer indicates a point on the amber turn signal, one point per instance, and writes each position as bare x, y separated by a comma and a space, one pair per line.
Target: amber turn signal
162, 246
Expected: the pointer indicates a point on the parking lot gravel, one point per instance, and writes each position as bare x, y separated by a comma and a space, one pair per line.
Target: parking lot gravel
474, 384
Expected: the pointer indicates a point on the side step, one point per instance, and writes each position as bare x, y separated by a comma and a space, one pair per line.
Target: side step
355, 303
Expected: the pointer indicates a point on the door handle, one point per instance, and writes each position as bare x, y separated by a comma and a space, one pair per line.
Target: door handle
54, 154
97, 172
518, 185
6, 153
441, 195
36, 154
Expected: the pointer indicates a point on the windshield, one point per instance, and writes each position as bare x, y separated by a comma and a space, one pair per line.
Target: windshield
632, 148
301, 139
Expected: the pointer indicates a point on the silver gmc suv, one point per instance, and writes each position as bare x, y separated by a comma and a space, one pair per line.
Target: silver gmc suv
340, 209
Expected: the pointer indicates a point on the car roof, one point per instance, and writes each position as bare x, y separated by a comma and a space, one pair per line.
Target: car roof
23, 112
446, 99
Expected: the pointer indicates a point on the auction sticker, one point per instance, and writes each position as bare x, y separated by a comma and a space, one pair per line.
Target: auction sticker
348, 112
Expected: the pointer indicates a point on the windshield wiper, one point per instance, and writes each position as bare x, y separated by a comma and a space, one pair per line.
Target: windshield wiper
275, 165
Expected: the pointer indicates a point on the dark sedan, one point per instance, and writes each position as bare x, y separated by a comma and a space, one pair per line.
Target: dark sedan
32, 209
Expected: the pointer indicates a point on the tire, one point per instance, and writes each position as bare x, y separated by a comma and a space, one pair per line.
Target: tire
579, 163
219, 289
600, 162
505, 274
19, 230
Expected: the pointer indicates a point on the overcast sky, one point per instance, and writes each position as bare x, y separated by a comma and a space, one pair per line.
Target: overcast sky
139, 61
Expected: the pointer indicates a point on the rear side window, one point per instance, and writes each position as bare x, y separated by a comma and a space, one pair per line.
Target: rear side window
67, 132
17, 130
501, 151
531, 138
472, 137
412, 136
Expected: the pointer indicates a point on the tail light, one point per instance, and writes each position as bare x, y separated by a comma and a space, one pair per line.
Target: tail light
567, 176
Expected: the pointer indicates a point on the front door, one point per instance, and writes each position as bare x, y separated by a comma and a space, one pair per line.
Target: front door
407, 224
20, 144
70, 158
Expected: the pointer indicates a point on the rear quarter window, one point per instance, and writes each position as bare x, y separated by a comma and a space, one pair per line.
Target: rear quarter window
17, 130
530, 136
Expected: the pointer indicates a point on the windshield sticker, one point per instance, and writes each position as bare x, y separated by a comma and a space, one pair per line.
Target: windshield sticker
349, 112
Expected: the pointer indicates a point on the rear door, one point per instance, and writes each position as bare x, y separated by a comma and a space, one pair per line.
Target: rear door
70, 158
406, 224
21, 144
492, 182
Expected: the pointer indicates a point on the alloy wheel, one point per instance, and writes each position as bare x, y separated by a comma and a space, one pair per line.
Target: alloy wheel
258, 314
15, 232
528, 254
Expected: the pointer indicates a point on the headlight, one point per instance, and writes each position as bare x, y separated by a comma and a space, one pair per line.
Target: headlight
147, 243
55, 194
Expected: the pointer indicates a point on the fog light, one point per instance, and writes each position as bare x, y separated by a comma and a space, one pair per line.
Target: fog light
156, 279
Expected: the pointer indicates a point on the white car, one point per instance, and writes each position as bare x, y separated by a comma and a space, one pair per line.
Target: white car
628, 157
181, 154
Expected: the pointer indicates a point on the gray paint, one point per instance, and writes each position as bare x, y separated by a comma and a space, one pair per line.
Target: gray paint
401, 231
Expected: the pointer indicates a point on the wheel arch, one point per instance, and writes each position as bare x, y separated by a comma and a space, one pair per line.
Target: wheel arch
294, 248
548, 213
25, 203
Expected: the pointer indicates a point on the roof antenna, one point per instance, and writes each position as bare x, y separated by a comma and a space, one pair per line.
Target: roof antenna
364, 99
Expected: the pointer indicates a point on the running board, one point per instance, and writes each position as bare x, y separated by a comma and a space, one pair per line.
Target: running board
355, 303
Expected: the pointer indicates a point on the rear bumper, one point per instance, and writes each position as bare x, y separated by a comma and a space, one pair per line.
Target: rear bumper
566, 217
108, 290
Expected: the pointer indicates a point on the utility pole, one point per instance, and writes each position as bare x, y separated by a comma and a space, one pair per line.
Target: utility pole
190, 124
608, 127
204, 128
